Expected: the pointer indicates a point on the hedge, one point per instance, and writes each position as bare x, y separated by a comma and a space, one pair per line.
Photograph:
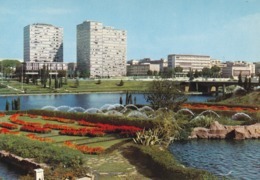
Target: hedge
48, 153
98, 118
164, 166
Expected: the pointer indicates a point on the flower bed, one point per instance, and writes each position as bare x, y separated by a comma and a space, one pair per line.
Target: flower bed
63, 120
93, 132
84, 149
8, 125
216, 107
7, 131
34, 137
35, 129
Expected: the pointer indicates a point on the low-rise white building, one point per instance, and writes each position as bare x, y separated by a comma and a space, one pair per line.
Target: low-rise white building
189, 62
233, 69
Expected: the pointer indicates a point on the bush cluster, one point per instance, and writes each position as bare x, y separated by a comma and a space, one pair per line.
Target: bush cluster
42, 152
97, 118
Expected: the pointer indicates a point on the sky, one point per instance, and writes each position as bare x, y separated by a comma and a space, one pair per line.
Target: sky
228, 30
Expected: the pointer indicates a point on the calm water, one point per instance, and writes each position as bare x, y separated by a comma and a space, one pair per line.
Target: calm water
93, 100
7, 172
233, 159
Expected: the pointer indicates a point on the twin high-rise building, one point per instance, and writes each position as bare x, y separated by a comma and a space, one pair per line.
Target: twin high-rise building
101, 50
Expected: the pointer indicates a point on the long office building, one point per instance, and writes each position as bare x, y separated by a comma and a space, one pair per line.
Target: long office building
189, 62
43, 43
101, 50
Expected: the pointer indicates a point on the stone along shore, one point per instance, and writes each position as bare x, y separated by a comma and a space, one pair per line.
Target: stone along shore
219, 131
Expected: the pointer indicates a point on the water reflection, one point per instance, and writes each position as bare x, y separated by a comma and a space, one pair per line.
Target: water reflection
233, 159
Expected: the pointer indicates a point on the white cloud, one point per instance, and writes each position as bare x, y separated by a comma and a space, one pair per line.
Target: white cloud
52, 11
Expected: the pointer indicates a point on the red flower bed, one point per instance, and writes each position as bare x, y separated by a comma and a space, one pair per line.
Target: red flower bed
107, 128
86, 123
2, 114
84, 148
82, 132
34, 137
35, 129
220, 107
56, 126
63, 120
8, 125
7, 131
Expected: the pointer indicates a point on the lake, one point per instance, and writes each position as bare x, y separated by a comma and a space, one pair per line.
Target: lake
92, 100
233, 159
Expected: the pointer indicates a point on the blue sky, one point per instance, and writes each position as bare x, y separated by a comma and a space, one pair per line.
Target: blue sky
223, 29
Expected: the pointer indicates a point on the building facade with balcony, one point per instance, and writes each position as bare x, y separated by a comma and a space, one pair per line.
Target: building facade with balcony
101, 50
43, 45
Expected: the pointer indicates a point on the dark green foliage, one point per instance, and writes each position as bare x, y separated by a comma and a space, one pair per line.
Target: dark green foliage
121, 83
56, 84
246, 83
98, 82
164, 166
98, 118
49, 82
7, 104
164, 94
42, 152
120, 100
77, 82
240, 83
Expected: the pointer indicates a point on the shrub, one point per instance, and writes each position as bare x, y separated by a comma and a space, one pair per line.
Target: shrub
163, 164
42, 151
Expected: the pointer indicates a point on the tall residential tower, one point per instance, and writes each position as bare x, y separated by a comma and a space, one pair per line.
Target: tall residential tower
43, 43
101, 50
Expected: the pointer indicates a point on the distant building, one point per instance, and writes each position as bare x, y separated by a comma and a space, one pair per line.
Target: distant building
187, 62
257, 68
142, 66
233, 69
101, 50
43, 45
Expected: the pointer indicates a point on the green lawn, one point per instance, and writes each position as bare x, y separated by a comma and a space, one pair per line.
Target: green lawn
84, 86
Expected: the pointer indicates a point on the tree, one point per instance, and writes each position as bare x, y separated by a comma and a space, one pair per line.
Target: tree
178, 69
164, 93
240, 83
77, 83
149, 72
190, 75
62, 73
196, 74
249, 87
246, 83
7, 104
120, 100
215, 70
206, 72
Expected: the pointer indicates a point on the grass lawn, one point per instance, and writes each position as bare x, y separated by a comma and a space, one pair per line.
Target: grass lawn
106, 85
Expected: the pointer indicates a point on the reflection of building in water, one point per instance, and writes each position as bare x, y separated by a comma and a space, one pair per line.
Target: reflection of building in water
233, 69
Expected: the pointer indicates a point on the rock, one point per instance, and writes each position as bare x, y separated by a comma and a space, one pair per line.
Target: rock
200, 132
219, 131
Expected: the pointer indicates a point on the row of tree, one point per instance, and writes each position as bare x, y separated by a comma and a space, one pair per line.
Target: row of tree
214, 71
